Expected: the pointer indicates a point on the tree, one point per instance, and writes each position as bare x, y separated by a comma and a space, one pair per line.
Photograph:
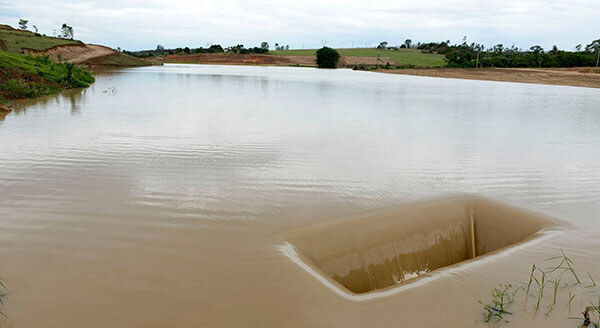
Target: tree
264, 45
382, 45
408, 43
160, 47
67, 31
287, 47
478, 48
578, 47
537, 50
35, 29
327, 57
595, 45
23, 24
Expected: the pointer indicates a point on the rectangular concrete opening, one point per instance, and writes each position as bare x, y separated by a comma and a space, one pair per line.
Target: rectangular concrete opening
377, 251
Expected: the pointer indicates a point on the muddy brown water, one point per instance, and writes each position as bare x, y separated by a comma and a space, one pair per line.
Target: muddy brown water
165, 196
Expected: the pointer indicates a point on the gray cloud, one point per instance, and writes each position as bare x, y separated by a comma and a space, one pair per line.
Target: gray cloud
136, 24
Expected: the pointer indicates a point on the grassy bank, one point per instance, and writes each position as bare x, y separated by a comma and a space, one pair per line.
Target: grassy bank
404, 57
117, 59
32, 76
13, 41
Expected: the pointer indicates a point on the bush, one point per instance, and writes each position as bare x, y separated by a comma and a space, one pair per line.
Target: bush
327, 57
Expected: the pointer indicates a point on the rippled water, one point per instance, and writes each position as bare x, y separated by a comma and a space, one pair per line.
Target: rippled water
166, 188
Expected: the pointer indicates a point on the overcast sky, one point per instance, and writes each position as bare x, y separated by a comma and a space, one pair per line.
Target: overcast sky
142, 24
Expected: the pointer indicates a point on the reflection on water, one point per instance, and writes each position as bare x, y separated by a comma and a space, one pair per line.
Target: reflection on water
175, 188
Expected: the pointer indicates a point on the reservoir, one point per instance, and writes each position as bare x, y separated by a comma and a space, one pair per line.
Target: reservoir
161, 196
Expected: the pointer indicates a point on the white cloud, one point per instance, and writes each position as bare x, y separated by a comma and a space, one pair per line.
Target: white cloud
135, 24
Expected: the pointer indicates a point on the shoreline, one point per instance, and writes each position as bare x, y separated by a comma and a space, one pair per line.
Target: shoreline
588, 77
575, 77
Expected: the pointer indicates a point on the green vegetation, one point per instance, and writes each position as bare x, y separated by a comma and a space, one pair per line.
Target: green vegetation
561, 276
476, 55
2, 298
117, 59
327, 57
24, 76
404, 57
501, 299
14, 41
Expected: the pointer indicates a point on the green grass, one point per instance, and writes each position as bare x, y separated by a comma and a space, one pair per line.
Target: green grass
404, 57
14, 40
117, 59
24, 76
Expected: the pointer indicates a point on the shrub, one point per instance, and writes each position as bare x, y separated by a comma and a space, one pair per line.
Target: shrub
327, 57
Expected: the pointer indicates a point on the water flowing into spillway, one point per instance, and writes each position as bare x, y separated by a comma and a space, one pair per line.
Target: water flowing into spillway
383, 249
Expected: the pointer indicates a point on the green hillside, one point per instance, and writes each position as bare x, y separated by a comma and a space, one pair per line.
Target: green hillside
13, 41
403, 56
24, 76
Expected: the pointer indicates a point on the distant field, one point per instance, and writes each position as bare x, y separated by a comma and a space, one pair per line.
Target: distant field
403, 56
13, 40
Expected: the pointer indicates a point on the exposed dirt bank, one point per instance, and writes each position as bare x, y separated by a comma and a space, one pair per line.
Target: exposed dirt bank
89, 54
273, 60
4, 109
579, 77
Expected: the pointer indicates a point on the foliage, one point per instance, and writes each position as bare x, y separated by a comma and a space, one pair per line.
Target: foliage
239, 49
67, 31
502, 298
382, 45
215, 48
23, 24
475, 55
24, 76
281, 47
561, 276
327, 57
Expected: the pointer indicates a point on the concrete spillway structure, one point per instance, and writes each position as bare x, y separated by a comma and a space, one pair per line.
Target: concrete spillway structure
372, 252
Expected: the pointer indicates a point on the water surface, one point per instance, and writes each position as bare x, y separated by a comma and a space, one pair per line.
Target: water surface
158, 196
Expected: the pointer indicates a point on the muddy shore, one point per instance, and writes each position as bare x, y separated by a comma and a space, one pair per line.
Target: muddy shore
578, 77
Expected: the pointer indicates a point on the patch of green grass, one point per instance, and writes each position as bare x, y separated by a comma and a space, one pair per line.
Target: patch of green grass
501, 299
24, 76
118, 59
14, 40
404, 57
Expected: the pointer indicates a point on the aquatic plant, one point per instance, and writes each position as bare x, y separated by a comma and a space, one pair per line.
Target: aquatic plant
2, 297
501, 299
564, 261
530, 279
555, 276
571, 297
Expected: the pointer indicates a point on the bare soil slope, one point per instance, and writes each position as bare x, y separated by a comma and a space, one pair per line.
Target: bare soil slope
90, 54
579, 77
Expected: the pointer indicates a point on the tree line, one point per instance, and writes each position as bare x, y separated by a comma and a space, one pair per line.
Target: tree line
66, 31
476, 55
213, 49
